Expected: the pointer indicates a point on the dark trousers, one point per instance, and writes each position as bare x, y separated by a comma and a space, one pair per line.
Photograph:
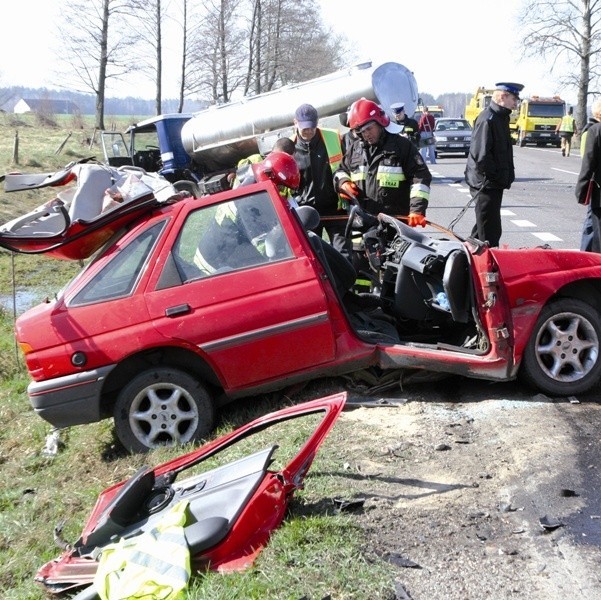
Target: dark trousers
335, 231
488, 215
591, 230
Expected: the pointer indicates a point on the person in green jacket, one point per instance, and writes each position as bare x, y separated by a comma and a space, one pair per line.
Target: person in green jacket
566, 128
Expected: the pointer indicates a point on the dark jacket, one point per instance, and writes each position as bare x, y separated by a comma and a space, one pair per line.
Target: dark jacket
410, 129
590, 167
316, 187
490, 159
392, 175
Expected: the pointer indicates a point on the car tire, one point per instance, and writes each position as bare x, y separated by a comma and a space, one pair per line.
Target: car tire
563, 357
162, 407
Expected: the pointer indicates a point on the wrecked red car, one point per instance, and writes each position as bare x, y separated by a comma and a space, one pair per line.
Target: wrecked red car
83, 216
204, 301
236, 491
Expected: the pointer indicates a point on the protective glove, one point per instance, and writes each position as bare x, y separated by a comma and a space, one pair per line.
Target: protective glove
349, 190
415, 219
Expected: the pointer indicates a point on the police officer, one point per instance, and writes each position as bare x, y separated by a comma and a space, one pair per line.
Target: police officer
489, 168
381, 170
410, 128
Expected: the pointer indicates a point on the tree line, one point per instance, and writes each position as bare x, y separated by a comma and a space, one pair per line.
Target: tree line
227, 47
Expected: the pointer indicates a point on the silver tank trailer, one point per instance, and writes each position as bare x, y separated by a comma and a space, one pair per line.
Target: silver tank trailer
217, 137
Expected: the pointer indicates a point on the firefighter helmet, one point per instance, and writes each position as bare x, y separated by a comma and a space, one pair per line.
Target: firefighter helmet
363, 111
279, 167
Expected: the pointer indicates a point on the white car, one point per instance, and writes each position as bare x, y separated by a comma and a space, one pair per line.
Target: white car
453, 136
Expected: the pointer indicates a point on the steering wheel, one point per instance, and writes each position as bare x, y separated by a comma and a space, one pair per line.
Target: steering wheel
359, 219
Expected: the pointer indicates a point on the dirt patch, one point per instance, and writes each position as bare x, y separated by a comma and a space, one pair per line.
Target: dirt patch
455, 493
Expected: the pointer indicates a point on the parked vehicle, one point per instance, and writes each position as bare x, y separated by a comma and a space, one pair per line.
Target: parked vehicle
209, 300
236, 491
453, 136
537, 120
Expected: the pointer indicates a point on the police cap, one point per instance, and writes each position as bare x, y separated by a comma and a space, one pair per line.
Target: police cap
512, 88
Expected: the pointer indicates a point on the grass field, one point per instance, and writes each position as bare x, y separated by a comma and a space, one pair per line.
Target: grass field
315, 554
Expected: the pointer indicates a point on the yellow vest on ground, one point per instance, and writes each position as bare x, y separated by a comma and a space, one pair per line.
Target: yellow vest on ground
152, 566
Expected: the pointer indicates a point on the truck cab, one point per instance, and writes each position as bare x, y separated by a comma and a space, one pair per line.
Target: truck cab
537, 120
154, 145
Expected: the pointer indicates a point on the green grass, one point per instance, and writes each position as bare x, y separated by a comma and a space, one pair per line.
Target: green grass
314, 553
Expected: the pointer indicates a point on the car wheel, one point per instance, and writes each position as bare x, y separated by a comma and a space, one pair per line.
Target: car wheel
162, 407
562, 356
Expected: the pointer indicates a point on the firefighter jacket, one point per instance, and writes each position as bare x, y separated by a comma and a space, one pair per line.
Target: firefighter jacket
590, 168
391, 175
317, 160
490, 160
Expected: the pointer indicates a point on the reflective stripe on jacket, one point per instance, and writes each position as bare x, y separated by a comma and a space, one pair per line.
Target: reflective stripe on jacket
155, 564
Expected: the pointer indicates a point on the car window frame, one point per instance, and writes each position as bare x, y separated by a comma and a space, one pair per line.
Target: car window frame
156, 230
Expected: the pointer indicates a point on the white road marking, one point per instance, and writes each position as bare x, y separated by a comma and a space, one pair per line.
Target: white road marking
505, 212
564, 171
523, 223
547, 237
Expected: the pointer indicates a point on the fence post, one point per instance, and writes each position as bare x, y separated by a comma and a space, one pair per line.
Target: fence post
16, 149
59, 149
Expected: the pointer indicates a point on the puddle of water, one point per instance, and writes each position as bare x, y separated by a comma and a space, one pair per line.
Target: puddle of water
23, 300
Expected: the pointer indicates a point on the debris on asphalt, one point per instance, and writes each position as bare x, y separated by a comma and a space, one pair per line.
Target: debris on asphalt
550, 524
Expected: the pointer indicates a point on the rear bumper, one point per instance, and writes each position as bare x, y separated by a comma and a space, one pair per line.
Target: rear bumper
70, 400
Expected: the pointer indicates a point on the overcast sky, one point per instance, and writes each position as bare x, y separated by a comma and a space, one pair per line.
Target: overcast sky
465, 44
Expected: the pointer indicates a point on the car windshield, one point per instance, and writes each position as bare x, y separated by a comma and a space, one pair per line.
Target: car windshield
452, 125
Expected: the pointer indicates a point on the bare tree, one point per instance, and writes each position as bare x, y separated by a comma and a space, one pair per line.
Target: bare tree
184, 55
151, 15
97, 47
570, 32
217, 52
285, 49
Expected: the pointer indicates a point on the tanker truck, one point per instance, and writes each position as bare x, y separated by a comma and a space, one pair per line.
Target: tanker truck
193, 150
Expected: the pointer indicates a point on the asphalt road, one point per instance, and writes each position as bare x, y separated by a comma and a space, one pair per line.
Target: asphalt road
540, 208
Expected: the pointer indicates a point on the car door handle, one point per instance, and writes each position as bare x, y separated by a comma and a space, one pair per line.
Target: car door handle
173, 311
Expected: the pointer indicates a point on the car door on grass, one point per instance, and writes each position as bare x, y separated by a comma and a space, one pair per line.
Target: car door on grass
237, 285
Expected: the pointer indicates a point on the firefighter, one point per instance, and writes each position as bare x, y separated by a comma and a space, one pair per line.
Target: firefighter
383, 171
236, 237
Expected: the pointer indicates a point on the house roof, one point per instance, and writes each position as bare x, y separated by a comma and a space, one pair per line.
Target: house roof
51, 106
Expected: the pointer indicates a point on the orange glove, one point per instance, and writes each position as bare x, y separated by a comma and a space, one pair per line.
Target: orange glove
415, 219
348, 189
